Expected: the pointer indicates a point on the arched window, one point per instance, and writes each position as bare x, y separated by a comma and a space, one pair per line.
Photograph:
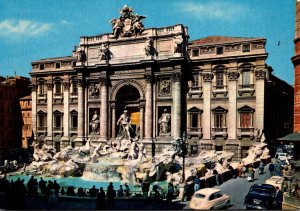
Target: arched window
57, 120
246, 117
41, 87
57, 86
219, 117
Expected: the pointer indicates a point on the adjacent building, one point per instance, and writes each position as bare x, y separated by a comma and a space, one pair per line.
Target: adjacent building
215, 89
27, 135
11, 121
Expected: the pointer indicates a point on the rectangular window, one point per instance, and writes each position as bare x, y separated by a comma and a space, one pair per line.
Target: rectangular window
42, 67
194, 120
57, 121
41, 89
246, 120
74, 121
246, 48
58, 88
196, 82
246, 78
219, 80
219, 119
41, 121
57, 65
195, 52
220, 50
75, 88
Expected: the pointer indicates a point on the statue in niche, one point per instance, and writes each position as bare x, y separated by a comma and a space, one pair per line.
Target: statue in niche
81, 57
149, 48
178, 45
95, 123
164, 123
94, 91
104, 53
124, 123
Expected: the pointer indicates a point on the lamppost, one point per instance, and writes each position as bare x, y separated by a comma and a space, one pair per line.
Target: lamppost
183, 154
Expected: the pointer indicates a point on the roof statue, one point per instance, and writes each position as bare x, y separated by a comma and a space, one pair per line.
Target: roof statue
127, 24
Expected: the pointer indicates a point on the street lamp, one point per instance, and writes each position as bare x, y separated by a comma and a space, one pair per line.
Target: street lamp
184, 153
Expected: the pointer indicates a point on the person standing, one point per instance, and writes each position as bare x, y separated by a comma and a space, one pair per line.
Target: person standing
145, 189
111, 194
279, 198
100, 202
272, 169
197, 183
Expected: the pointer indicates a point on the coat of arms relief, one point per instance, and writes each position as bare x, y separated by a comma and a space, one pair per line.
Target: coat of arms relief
127, 24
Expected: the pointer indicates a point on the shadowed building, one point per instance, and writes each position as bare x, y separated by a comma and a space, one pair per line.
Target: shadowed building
213, 88
11, 89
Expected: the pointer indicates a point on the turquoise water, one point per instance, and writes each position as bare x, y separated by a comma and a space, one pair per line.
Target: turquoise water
79, 182
71, 181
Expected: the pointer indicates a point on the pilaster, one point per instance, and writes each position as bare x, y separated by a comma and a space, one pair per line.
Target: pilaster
232, 108
49, 137
207, 80
260, 87
66, 86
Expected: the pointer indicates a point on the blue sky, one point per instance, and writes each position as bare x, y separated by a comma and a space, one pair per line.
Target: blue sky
37, 29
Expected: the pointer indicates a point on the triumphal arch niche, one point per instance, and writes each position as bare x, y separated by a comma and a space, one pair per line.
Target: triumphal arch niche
132, 72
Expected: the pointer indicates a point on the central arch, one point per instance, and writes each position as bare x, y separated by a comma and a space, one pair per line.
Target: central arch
128, 98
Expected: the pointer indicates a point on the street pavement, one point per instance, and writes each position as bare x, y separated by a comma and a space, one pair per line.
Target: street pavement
238, 188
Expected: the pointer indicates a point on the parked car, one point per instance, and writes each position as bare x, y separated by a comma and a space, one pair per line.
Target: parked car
283, 156
261, 196
209, 198
275, 181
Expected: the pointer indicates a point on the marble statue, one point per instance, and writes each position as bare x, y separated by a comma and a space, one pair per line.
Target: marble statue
124, 123
164, 123
95, 122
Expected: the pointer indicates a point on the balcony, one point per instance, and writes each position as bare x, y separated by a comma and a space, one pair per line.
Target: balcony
246, 132
246, 88
73, 129
58, 129
194, 131
42, 96
219, 132
220, 90
42, 129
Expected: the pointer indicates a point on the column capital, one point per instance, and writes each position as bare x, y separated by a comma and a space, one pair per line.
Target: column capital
260, 74
207, 77
177, 76
103, 81
49, 85
33, 87
66, 85
233, 75
149, 78
80, 83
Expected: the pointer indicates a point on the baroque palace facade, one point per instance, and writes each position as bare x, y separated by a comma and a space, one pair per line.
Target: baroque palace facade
214, 88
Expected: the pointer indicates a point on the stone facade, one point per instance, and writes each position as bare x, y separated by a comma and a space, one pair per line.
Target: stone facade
27, 136
205, 86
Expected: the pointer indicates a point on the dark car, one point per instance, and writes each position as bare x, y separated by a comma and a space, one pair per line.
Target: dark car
261, 196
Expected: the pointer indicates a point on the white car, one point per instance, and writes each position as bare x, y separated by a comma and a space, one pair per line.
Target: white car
209, 199
275, 181
283, 156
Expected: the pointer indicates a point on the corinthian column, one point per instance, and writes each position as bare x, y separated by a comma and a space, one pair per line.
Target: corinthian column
80, 129
66, 86
49, 113
33, 110
103, 109
176, 115
232, 108
149, 108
